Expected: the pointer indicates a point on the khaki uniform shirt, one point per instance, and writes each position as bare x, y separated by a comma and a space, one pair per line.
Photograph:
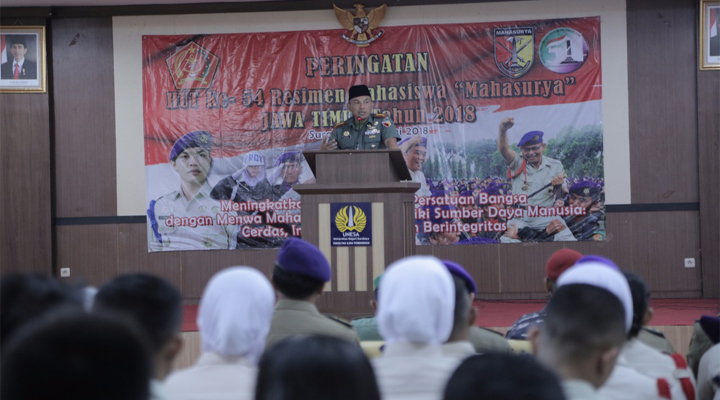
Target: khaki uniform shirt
297, 317
655, 340
488, 341
371, 135
536, 178
178, 237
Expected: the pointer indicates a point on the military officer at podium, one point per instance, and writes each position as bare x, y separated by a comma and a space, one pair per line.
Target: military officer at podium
364, 130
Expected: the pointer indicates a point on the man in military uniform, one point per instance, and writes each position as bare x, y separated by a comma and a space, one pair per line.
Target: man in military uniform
169, 229
586, 194
529, 173
364, 130
299, 277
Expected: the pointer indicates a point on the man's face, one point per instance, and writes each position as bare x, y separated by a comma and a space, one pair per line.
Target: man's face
533, 153
360, 107
193, 165
254, 170
291, 172
445, 238
415, 158
576, 200
18, 51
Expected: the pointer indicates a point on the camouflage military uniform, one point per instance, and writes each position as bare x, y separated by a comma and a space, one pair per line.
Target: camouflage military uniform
368, 136
521, 327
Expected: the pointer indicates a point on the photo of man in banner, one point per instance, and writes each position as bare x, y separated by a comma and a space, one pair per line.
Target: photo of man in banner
500, 123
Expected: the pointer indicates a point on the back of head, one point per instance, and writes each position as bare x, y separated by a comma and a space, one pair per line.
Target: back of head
416, 301
315, 367
640, 300
301, 269
78, 356
500, 376
24, 298
559, 262
461, 315
153, 303
235, 312
580, 320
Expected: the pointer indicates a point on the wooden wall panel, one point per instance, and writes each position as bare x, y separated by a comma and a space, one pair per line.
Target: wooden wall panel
662, 64
481, 261
708, 86
133, 256
25, 179
90, 251
84, 117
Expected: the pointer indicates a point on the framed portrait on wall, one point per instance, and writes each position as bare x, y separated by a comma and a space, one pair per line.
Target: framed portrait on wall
709, 34
23, 68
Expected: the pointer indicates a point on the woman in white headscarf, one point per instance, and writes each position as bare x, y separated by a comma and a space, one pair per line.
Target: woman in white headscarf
234, 320
416, 299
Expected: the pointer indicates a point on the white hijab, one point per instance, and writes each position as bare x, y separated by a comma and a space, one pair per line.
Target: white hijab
416, 300
235, 313
605, 277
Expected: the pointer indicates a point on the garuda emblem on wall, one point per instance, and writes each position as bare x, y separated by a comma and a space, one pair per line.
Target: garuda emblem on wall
360, 24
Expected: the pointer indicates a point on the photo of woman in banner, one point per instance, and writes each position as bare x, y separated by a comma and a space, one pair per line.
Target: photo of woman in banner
186, 218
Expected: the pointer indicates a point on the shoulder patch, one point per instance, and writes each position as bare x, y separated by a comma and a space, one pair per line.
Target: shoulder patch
339, 125
340, 320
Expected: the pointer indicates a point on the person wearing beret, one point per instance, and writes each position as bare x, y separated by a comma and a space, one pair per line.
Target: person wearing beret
190, 158
20, 67
415, 150
591, 226
529, 172
467, 339
364, 130
299, 277
290, 167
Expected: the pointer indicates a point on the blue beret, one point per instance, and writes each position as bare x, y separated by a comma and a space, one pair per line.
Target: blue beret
532, 137
457, 270
303, 258
711, 326
466, 193
423, 143
291, 156
585, 188
202, 139
494, 190
357, 91
598, 259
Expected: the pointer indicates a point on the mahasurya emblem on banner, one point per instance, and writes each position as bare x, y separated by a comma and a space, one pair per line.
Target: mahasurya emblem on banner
360, 24
514, 50
192, 67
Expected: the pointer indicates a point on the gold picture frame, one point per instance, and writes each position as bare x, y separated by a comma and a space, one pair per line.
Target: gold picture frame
709, 34
26, 45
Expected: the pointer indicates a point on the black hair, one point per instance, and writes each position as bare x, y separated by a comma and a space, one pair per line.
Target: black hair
76, 356
503, 376
461, 313
315, 367
26, 297
18, 39
582, 319
153, 303
641, 300
293, 285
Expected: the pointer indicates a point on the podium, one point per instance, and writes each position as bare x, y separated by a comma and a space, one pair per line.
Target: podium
380, 180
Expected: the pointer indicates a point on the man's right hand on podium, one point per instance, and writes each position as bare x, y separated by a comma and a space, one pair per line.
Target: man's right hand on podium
328, 144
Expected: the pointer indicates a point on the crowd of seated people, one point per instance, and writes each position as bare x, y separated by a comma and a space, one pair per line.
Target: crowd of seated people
264, 338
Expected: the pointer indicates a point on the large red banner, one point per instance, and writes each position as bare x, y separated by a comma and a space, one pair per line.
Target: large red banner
259, 99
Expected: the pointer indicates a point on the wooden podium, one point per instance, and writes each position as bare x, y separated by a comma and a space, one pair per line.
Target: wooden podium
379, 177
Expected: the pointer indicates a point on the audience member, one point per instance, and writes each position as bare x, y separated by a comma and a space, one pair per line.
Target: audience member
415, 316
316, 367
560, 261
233, 320
366, 327
647, 360
467, 339
299, 277
156, 306
709, 375
502, 377
73, 356
700, 342
25, 298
